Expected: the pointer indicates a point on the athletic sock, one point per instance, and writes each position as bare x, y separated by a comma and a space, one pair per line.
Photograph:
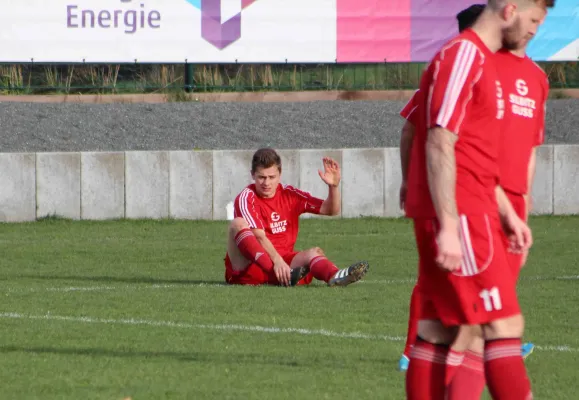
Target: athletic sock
469, 380
322, 269
425, 375
251, 249
412, 320
505, 371
453, 362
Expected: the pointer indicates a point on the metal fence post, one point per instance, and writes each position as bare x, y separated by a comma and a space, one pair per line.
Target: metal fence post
189, 74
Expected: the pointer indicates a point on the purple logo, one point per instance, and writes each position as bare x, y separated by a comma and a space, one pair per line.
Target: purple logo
214, 29
135, 15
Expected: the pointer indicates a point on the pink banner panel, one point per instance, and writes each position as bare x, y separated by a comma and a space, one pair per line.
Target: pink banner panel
374, 30
433, 24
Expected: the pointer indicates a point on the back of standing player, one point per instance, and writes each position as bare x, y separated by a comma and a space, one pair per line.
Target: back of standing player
457, 227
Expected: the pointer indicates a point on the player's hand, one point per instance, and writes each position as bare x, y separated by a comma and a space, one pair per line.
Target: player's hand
282, 272
518, 233
449, 254
331, 174
403, 189
524, 258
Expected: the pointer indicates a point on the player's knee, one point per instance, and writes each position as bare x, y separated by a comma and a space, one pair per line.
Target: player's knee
467, 337
434, 332
477, 345
510, 327
237, 225
316, 251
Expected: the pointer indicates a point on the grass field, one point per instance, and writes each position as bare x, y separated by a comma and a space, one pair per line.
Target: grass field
110, 310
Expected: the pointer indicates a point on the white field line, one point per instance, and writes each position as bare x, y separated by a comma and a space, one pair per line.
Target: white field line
236, 327
185, 325
219, 285
523, 278
111, 288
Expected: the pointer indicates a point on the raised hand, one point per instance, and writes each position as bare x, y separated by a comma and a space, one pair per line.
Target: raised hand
331, 175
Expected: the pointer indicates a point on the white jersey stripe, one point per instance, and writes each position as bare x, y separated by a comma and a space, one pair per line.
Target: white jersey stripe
244, 207
460, 71
457, 68
466, 263
465, 68
468, 244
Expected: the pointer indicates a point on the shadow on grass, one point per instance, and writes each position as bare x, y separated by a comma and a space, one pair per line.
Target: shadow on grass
121, 279
136, 280
200, 357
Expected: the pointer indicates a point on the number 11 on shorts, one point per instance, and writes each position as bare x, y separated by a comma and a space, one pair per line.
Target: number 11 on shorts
491, 299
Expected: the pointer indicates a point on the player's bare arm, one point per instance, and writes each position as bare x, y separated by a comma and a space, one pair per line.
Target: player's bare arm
516, 229
280, 267
406, 139
441, 167
331, 176
441, 171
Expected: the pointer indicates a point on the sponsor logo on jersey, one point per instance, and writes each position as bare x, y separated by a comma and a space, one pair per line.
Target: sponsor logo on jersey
500, 101
277, 226
522, 105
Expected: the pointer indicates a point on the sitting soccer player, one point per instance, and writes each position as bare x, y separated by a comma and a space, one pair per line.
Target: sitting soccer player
262, 235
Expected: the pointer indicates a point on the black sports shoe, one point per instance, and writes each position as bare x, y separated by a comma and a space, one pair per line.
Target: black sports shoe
297, 274
352, 274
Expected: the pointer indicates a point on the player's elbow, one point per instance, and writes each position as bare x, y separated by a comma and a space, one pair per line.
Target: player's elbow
330, 209
440, 140
334, 212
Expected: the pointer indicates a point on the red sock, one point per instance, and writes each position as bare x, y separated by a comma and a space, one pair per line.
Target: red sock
323, 269
505, 370
251, 249
453, 362
413, 318
425, 375
469, 380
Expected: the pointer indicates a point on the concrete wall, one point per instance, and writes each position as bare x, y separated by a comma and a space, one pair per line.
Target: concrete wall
199, 184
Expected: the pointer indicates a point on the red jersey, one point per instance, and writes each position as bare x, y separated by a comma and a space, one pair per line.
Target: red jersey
277, 216
460, 92
526, 88
409, 110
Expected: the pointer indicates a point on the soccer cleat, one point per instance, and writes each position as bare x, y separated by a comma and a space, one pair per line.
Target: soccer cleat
298, 274
403, 363
527, 349
352, 274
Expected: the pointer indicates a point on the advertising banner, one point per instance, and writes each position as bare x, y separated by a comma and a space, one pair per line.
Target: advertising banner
250, 31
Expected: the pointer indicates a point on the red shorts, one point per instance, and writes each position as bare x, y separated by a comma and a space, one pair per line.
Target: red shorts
482, 290
253, 274
520, 206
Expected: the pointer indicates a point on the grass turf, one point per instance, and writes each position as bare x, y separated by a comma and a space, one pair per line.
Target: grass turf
117, 309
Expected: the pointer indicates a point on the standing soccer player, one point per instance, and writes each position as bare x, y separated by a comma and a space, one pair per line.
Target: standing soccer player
516, 160
262, 235
526, 90
465, 279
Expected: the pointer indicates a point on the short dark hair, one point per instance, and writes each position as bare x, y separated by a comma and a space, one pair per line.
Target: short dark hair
265, 158
467, 17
